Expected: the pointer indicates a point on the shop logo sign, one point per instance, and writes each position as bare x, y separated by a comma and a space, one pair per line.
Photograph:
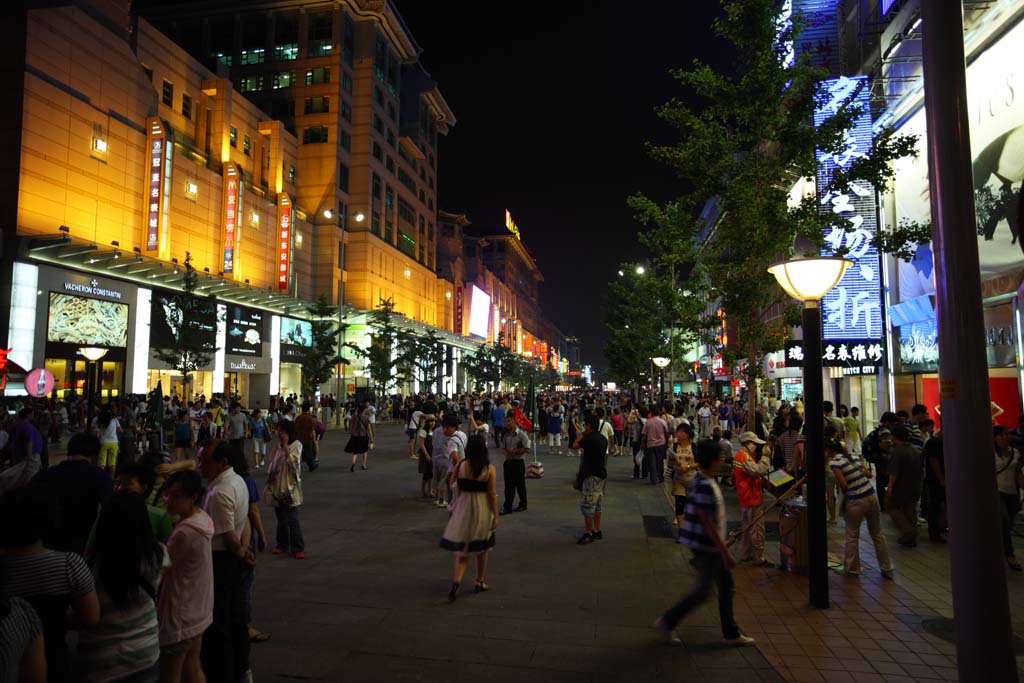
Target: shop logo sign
92, 288
241, 365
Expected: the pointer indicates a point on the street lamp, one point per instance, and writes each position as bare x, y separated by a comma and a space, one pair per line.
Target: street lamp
662, 363
809, 280
91, 355
640, 270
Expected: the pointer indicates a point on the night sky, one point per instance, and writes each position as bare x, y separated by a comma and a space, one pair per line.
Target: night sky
554, 103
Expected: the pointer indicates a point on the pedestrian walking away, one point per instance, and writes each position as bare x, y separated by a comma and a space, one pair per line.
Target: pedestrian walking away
474, 520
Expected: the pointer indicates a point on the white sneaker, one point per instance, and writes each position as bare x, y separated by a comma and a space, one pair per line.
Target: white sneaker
740, 640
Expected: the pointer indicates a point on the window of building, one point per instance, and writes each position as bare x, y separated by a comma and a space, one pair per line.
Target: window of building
349, 39
393, 67
186, 105
251, 83
423, 197
321, 26
316, 105
405, 212
430, 157
320, 48
378, 124
430, 203
389, 214
149, 72
430, 182
223, 58
346, 110
246, 145
378, 96
430, 231
423, 173
286, 52
406, 180
377, 185
343, 215
346, 82
390, 164
380, 59
291, 174
378, 153
344, 139
233, 136
318, 75
406, 244
409, 158
284, 79
255, 55
392, 138
392, 114
343, 177
314, 134
168, 93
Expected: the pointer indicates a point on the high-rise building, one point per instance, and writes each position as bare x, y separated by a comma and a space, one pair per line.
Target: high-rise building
345, 79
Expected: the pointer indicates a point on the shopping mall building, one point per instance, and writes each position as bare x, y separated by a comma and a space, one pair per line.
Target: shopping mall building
311, 173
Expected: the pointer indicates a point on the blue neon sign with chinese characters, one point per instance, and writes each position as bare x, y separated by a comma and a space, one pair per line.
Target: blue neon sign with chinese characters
854, 307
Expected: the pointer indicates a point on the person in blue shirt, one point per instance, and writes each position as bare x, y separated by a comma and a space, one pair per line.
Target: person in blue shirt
498, 422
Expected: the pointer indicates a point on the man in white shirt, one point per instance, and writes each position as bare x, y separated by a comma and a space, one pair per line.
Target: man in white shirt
225, 652
605, 427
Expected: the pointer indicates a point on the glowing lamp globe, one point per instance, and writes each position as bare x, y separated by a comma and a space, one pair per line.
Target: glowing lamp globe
661, 361
810, 279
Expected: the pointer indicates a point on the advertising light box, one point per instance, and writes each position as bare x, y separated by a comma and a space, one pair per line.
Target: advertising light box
479, 313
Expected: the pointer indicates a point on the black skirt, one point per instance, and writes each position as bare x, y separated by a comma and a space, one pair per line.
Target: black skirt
357, 444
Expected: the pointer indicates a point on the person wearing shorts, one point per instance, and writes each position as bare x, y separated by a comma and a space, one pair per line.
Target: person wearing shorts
592, 475
108, 429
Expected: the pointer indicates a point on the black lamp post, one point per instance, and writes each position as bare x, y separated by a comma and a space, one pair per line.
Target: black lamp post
809, 280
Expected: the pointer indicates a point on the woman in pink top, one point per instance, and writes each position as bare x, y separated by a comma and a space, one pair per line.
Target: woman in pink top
185, 607
618, 425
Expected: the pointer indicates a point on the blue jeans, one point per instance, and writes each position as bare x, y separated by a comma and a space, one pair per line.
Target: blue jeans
711, 569
289, 533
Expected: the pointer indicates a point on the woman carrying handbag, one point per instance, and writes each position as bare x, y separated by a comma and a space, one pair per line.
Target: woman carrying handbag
284, 490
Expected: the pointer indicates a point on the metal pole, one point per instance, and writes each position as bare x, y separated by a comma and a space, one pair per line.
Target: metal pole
338, 402
814, 457
984, 634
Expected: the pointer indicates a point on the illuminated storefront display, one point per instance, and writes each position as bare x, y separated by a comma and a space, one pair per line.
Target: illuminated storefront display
232, 210
854, 356
284, 225
479, 313
854, 307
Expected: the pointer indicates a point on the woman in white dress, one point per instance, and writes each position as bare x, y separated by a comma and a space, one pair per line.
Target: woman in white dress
474, 519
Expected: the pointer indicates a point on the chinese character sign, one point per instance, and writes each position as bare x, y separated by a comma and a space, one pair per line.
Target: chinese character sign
841, 353
154, 186
284, 240
854, 307
232, 209
459, 304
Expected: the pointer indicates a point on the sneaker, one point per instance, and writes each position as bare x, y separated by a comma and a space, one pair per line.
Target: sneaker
276, 551
363, 467
300, 555
666, 635
440, 503
598, 535
585, 539
740, 640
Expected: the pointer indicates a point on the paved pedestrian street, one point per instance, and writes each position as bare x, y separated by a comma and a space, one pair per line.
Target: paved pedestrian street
369, 602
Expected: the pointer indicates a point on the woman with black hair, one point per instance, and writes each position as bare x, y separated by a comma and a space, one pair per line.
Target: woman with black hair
474, 519
284, 490
359, 443
128, 566
22, 651
108, 429
48, 580
185, 606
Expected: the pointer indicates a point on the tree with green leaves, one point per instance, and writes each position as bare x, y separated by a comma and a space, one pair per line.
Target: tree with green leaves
745, 137
423, 357
321, 358
193, 323
382, 359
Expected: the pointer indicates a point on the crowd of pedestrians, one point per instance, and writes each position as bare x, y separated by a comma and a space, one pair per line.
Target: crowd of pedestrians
134, 559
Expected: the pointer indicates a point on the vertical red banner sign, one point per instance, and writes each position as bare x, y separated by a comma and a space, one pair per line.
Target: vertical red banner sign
157, 147
284, 234
458, 309
232, 211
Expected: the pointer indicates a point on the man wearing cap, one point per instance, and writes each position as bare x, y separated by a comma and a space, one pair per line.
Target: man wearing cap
749, 468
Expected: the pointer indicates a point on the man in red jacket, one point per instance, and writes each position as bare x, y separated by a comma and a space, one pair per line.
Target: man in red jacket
749, 468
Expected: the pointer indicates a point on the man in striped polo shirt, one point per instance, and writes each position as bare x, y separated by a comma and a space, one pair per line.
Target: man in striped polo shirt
704, 531
854, 480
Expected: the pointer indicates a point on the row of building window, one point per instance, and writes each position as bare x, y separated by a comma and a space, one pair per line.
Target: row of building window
281, 80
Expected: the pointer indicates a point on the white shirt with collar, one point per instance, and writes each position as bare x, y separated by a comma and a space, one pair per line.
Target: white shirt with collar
227, 503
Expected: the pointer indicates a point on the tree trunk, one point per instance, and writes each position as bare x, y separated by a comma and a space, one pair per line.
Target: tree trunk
752, 395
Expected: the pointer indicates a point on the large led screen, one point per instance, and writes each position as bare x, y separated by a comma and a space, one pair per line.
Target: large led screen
92, 322
296, 332
479, 313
